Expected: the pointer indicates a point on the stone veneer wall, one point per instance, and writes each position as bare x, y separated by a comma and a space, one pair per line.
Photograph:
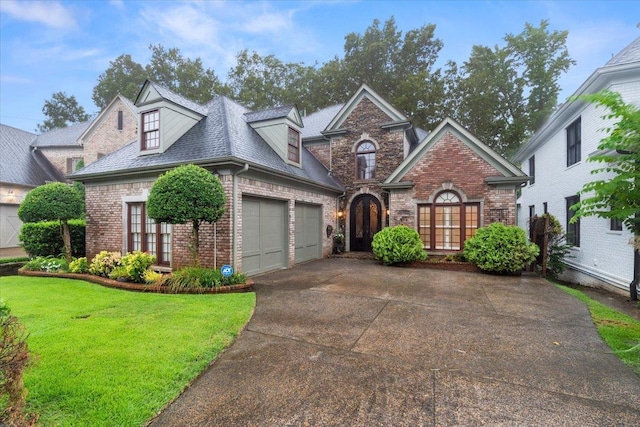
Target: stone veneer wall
451, 164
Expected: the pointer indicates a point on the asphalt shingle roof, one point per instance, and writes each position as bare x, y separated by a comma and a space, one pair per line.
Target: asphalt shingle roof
316, 122
223, 134
268, 114
62, 137
178, 99
19, 163
629, 54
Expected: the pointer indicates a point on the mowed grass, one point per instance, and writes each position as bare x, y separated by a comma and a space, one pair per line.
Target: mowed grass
619, 331
109, 357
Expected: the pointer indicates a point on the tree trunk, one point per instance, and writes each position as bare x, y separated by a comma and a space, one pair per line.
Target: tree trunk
66, 239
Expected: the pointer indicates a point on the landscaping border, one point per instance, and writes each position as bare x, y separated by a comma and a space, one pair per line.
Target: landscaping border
137, 287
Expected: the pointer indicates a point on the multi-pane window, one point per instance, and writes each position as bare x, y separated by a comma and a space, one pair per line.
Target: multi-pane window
293, 149
532, 169
447, 223
366, 160
145, 235
574, 142
532, 211
151, 130
573, 229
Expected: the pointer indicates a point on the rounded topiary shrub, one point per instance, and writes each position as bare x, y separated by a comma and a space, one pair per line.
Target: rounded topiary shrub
500, 248
398, 244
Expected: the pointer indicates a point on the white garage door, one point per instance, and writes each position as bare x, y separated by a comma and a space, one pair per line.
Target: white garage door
9, 226
308, 237
264, 235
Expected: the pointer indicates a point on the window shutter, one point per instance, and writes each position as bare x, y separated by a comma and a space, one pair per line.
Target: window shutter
120, 120
69, 165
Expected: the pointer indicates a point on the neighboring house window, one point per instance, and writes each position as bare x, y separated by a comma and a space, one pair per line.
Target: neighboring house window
532, 170
120, 120
574, 142
616, 224
573, 229
72, 164
366, 160
447, 223
147, 236
532, 211
151, 130
293, 151
544, 207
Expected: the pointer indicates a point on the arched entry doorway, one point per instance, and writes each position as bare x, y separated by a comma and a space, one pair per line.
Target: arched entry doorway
365, 216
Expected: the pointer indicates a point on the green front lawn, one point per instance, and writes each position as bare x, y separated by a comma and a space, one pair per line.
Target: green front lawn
109, 357
619, 331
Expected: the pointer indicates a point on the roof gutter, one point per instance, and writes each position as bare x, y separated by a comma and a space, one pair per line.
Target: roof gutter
234, 204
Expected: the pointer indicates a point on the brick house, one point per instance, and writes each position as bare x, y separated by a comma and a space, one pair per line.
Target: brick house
557, 158
30, 160
354, 168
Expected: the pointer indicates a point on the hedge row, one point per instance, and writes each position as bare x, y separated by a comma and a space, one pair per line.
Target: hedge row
45, 238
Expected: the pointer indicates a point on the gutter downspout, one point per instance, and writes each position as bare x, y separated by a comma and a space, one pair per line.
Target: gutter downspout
234, 233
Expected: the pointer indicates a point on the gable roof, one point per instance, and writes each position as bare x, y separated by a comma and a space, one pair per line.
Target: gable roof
62, 137
269, 113
624, 66
127, 102
171, 96
223, 136
19, 163
509, 171
364, 92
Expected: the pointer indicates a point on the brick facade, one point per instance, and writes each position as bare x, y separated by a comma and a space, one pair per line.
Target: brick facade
105, 137
58, 156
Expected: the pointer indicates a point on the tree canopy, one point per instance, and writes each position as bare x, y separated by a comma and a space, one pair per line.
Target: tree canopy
55, 201
501, 94
188, 193
61, 111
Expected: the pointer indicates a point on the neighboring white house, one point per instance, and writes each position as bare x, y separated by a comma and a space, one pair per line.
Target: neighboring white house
556, 159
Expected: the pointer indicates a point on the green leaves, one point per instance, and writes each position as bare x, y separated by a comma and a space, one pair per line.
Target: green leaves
51, 202
501, 249
616, 196
398, 244
61, 111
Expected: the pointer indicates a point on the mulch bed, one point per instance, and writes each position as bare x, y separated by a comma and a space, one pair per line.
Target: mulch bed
130, 286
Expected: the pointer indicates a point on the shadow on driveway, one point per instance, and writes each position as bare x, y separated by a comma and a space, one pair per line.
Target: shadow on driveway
341, 342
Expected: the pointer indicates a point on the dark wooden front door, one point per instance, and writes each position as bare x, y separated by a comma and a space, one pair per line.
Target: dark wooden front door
365, 222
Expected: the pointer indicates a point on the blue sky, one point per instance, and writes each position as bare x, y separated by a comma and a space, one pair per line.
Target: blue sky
51, 46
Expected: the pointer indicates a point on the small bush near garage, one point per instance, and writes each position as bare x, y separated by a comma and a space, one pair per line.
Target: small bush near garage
399, 244
501, 249
42, 239
199, 277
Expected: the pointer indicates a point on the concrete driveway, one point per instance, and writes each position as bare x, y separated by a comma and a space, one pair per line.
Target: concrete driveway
342, 342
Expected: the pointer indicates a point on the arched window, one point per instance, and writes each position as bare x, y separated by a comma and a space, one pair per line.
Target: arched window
447, 223
366, 160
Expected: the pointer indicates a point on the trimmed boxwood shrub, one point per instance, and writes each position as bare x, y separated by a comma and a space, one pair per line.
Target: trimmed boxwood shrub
500, 248
43, 239
398, 244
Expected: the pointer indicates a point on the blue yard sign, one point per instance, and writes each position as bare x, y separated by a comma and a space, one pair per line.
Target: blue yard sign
226, 270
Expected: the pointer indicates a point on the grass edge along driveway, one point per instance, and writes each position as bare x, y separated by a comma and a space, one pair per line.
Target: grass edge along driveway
110, 357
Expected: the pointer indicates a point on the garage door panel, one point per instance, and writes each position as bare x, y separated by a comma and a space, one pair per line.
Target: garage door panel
263, 235
308, 242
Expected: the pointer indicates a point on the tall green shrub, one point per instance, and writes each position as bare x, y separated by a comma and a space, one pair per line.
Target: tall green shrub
500, 249
45, 238
398, 244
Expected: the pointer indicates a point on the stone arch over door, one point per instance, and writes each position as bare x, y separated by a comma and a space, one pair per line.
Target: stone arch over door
365, 219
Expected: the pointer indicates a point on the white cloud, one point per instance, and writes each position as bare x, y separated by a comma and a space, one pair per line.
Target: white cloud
186, 22
269, 22
51, 14
9, 78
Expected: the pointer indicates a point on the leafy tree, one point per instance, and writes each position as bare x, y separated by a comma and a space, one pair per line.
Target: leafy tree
61, 111
182, 75
168, 67
507, 93
618, 196
260, 82
124, 76
185, 194
55, 201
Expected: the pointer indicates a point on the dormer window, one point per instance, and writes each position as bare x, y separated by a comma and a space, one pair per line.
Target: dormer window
293, 149
151, 130
366, 160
